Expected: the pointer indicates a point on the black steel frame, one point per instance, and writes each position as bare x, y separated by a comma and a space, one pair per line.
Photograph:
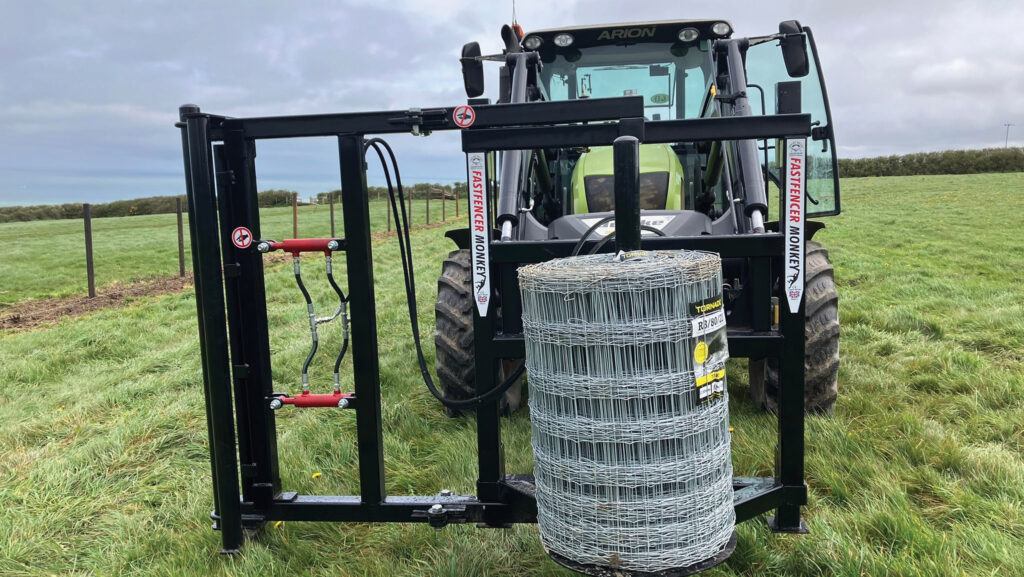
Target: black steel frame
219, 158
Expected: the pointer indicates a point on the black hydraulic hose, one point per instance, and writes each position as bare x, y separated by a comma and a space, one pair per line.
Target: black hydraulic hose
341, 355
312, 325
590, 231
337, 289
344, 321
597, 248
404, 243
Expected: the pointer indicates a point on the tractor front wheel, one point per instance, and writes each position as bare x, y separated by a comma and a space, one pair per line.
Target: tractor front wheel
821, 342
453, 337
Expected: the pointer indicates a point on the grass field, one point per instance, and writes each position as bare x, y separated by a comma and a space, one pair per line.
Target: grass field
105, 471
44, 259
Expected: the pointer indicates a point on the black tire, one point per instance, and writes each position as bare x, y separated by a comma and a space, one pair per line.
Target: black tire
453, 336
821, 344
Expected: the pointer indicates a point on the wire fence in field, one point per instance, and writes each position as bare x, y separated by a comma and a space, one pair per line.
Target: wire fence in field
109, 250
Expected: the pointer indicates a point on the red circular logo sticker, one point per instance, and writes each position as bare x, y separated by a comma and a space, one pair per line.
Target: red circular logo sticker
464, 116
241, 237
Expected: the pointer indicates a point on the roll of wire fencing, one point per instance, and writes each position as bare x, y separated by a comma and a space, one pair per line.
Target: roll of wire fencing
626, 361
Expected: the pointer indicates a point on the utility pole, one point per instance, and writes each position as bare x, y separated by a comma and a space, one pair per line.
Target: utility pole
1006, 144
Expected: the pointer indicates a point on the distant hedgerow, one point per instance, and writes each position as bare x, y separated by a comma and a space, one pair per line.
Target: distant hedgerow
986, 160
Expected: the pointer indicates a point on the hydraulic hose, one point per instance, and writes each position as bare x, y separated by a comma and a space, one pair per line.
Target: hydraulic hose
312, 326
314, 322
579, 244
597, 248
342, 310
404, 244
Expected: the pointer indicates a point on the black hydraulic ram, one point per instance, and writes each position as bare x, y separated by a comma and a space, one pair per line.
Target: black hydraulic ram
512, 160
755, 202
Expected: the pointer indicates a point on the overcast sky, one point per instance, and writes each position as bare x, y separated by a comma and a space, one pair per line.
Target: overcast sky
89, 91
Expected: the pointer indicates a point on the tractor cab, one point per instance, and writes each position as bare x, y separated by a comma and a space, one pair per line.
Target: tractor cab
682, 69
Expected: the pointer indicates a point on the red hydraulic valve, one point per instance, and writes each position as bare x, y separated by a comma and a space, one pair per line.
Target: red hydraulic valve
299, 245
307, 399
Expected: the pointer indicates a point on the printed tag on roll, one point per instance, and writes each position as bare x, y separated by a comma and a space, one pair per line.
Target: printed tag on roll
794, 219
476, 168
710, 349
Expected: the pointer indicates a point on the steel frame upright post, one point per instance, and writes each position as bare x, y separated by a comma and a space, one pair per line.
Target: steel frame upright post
365, 362
626, 157
789, 461
213, 338
490, 449
247, 316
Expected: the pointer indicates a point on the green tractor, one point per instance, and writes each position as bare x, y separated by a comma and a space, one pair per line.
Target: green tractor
683, 69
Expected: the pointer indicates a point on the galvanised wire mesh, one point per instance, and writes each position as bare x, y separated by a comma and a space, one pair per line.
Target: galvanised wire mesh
626, 360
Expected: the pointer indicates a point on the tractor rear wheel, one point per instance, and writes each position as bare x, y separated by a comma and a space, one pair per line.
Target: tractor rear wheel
453, 336
821, 342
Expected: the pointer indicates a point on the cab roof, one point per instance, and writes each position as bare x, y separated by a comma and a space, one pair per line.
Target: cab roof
679, 24
630, 32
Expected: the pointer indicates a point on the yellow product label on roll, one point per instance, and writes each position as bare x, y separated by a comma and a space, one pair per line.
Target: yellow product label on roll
711, 377
711, 386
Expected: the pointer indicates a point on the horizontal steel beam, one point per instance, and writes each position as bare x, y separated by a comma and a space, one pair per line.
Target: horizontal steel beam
729, 128
688, 130
350, 509
746, 345
751, 497
428, 119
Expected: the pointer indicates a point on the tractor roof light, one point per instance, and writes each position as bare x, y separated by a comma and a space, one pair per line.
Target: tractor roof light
721, 29
533, 42
688, 34
563, 40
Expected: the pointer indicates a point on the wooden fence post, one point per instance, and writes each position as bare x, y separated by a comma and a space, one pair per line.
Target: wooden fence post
89, 271
181, 241
331, 196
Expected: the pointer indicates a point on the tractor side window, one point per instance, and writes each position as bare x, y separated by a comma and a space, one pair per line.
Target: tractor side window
773, 91
696, 85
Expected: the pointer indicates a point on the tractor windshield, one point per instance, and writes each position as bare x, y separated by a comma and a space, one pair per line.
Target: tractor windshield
672, 78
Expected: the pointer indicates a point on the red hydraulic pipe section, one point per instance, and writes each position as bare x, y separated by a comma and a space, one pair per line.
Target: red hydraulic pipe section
307, 399
299, 245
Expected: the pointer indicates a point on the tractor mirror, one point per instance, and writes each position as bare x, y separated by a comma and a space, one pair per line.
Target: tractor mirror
794, 48
472, 70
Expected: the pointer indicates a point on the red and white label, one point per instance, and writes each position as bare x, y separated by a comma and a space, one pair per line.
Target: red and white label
794, 222
464, 116
479, 230
241, 237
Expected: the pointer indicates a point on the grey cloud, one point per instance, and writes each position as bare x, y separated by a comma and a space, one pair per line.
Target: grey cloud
89, 91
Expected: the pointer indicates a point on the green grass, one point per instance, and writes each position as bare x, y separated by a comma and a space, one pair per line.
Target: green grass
43, 259
104, 468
